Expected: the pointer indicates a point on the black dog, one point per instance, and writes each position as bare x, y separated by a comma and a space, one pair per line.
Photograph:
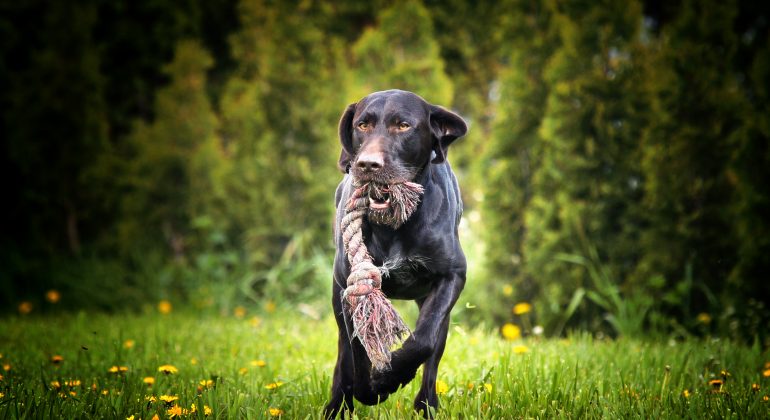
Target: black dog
386, 137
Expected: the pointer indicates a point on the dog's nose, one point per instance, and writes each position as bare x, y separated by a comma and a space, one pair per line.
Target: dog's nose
370, 162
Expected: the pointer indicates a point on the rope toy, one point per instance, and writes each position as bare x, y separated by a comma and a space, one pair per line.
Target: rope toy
375, 322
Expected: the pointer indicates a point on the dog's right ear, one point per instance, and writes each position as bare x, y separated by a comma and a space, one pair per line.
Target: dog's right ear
346, 138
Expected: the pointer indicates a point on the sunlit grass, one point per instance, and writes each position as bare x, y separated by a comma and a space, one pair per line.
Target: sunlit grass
188, 365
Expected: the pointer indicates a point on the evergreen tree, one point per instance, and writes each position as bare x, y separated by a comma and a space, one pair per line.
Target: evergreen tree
687, 148
401, 52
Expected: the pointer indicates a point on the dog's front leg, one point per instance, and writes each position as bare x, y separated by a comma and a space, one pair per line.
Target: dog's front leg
426, 342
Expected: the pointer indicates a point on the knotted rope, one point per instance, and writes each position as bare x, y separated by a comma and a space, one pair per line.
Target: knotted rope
375, 322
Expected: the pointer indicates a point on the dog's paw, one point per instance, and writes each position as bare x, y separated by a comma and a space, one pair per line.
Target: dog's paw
388, 382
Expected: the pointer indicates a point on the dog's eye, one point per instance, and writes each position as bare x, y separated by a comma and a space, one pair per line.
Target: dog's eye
363, 126
402, 126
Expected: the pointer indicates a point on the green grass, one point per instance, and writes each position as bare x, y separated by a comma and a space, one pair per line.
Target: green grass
577, 377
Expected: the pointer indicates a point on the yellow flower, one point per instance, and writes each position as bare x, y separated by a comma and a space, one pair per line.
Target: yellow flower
52, 296
25, 307
239, 312
767, 364
155, 417
2, 395
105, 392
129, 344
716, 384
150, 381
511, 331
507, 290
1, 377
765, 398
55, 385
258, 363
243, 370
470, 385
488, 387
255, 321
7, 367
164, 307
175, 411
273, 385
520, 349
765, 373
131, 417
269, 306
686, 393
168, 399
56, 359
521, 308
73, 393
72, 383
441, 387
703, 318
275, 412
755, 387
207, 410
151, 399
193, 361
207, 383
118, 369
168, 369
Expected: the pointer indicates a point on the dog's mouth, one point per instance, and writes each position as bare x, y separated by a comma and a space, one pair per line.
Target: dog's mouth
379, 198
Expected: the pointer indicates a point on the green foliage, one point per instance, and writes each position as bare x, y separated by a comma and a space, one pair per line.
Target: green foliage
617, 154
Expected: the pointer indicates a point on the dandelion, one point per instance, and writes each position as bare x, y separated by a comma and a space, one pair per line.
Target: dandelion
275, 412
7, 367
521, 308
511, 331
150, 399
441, 387
766, 373
73, 393
538, 330
149, 381
164, 307
72, 383
52, 296
193, 361
207, 411
765, 398
56, 359
520, 349
470, 386
488, 387
131, 417
168, 399
507, 290
255, 321
2, 395
269, 306
243, 370
686, 393
105, 392
25, 307
755, 387
117, 369
168, 369
273, 385
129, 344
716, 384
155, 417
239, 312
704, 318
175, 411
258, 363
207, 383
55, 385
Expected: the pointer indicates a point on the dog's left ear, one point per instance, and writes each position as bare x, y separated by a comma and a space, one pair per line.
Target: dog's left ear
346, 138
446, 127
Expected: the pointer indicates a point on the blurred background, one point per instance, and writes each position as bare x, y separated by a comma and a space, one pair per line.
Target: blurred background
616, 174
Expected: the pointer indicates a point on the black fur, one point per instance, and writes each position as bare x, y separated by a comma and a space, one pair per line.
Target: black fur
423, 257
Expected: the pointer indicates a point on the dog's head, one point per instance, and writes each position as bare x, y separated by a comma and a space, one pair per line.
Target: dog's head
389, 136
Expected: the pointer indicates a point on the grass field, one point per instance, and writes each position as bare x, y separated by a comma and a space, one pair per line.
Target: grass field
279, 364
